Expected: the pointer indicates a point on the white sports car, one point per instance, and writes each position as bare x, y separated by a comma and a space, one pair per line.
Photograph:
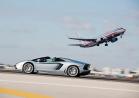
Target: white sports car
56, 65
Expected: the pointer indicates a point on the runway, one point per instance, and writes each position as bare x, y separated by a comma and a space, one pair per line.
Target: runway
18, 85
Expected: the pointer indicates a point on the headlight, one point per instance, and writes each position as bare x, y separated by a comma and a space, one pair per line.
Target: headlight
86, 67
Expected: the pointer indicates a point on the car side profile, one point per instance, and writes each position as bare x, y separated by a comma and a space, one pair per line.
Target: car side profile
55, 65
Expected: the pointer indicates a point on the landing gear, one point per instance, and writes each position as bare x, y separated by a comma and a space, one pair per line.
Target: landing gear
106, 44
101, 39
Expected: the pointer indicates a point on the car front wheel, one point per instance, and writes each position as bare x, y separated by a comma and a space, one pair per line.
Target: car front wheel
73, 71
28, 68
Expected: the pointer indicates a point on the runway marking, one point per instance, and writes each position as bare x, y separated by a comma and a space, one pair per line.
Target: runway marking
74, 86
23, 94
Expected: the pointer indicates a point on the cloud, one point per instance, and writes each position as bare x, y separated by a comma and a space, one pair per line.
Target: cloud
77, 24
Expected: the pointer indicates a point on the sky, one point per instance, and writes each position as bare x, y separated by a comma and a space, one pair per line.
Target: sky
37, 28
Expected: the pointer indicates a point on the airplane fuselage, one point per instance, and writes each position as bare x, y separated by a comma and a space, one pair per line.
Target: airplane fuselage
108, 37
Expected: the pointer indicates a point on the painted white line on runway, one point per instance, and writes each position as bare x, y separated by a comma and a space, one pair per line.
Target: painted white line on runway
67, 85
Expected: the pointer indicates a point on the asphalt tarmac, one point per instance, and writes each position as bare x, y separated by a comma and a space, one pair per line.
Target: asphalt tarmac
18, 85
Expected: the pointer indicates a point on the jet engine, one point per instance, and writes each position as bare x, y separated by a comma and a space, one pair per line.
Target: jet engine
114, 40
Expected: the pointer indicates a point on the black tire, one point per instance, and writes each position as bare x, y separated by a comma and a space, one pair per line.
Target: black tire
28, 68
73, 71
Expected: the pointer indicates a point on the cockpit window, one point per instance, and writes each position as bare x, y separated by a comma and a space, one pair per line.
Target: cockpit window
35, 60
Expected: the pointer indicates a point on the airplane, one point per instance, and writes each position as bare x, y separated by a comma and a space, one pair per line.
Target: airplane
107, 37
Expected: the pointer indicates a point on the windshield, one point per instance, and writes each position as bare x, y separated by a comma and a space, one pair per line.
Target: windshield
42, 59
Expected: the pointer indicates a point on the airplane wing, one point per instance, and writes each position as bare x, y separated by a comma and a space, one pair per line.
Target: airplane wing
82, 39
75, 44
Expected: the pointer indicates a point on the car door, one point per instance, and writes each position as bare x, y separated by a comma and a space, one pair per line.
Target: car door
46, 65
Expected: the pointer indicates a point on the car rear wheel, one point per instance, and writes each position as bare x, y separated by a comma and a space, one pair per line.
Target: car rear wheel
28, 68
73, 71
